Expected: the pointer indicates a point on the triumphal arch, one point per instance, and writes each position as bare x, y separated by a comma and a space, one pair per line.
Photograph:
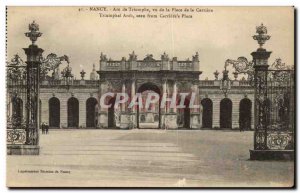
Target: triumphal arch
165, 77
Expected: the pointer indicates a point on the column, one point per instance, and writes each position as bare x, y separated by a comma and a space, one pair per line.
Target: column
99, 125
164, 93
82, 111
102, 112
132, 92
133, 110
125, 122
200, 108
164, 109
235, 111
195, 112
175, 94
197, 98
64, 112
172, 115
216, 112
123, 105
45, 110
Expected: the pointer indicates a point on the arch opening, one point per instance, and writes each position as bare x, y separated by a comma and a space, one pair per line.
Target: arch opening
226, 114
149, 117
187, 114
73, 112
91, 112
54, 112
207, 113
111, 117
245, 114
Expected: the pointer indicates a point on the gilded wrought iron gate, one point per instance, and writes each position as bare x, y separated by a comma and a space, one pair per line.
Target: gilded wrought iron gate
23, 98
16, 100
274, 95
274, 105
22, 115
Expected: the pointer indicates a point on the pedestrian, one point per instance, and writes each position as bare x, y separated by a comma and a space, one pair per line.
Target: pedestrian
47, 128
43, 128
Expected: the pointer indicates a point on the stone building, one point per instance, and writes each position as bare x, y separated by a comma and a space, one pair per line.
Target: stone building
75, 104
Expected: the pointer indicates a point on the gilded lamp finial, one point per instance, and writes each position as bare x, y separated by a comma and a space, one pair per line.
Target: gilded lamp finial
262, 36
33, 33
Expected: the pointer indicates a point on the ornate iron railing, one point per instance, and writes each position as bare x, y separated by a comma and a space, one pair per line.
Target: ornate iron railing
16, 103
275, 110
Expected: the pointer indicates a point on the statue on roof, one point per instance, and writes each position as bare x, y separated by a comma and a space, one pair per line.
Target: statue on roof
132, 56
103, 57
164, 56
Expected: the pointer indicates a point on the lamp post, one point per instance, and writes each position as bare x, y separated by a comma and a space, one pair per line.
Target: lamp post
225, 85
82, 74
216, 73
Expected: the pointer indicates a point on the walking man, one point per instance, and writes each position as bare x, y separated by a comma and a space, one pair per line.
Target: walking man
43, 128
47, 128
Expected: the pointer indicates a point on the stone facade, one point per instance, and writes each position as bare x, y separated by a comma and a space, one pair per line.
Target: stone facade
136, 76
164, 76
80, 90
211, 89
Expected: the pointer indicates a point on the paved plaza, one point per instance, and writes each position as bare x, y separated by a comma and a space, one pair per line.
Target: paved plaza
147, 158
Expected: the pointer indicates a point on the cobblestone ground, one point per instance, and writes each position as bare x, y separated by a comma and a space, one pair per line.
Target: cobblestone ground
146, 158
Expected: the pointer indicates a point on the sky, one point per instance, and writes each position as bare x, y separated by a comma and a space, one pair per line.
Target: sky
225, 33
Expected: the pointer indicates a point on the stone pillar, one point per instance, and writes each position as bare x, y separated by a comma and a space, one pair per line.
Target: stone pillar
132, 92
133, 110
201, 108
82, 111
195, 112
175, 94
64, 111
45, 110
163, 109
216, 112
171, 113
102, 113
123, 105
197, 98
125, 115
235, 112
